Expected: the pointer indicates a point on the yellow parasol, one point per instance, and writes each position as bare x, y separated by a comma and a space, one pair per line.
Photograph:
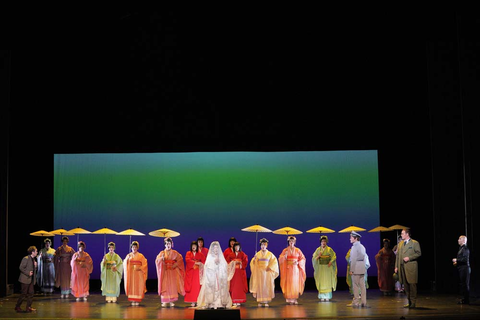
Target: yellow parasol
130, 232
62, 232
380, 229
42, 233
397, 227
351, 228
79, 231
256, 228
104, 231
287, 231
320, 229
164, 233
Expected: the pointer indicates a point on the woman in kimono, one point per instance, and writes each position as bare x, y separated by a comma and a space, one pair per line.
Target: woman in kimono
201, 248
63, 269
324, 262
82, 267
135, 270
264, 269
230, 248
238, 284
214, 280
194, 262
292, 271
170, 273
111, 274
46, 268
385, 260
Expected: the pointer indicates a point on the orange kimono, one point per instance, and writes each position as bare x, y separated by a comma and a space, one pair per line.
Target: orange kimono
238, 284
171, 275
82, 267
192, 275
292, 276
135, 270
63, 269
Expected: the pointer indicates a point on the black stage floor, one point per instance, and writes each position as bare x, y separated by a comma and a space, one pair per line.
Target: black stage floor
430, 306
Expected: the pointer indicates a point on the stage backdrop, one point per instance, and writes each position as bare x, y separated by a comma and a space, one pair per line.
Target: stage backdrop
215, 195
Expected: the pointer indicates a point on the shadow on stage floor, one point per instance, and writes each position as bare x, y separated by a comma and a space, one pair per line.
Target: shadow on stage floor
432, 306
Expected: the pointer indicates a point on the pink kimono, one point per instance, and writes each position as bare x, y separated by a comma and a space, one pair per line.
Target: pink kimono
82, 266
292, 273
171, 275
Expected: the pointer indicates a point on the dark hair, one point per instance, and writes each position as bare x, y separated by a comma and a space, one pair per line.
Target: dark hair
230, 240
263, 240
407, 230
355, 237
81, 243
323, 238
200, 239
237, 244
65, 238
31, 249
135, 243
168, 239
111, 244
47, 240
386, 240
193, 243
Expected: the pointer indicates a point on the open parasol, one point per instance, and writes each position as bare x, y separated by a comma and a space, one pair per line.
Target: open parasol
380, 229
256, 228
79, 231
164, 233
397, 227
351, 228
130, 232
42, 233
320, 229
287, 231
62, 232
105, 231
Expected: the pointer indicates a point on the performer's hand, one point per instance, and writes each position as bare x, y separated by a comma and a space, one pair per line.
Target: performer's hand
217, 261
114, 269
268, 269
406, 259
454, 260
396, 270
351, 273
329, 264
31, 273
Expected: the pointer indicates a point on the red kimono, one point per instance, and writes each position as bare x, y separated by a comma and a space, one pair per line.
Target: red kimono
204, 251
238, 284
386, 266
192, 275
227, 252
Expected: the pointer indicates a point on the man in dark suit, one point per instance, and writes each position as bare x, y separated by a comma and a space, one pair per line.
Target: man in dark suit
407, 267
27, 279
462, 262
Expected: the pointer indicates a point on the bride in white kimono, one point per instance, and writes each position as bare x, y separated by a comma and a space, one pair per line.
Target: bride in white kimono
215, 280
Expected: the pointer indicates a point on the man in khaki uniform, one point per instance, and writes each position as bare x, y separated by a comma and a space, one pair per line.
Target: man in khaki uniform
407, 267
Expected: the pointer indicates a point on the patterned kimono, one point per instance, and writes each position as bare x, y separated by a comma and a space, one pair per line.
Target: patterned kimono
171, 275
63, 269
238, 284
46, 270
386, 266
135, 270
262, 282
111, 274
82, 266
292, 276
325, 276
192, 275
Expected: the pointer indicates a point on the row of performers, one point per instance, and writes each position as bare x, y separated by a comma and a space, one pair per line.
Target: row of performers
208, 279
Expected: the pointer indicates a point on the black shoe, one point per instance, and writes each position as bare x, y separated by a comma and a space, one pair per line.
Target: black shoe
18, 309
412, 306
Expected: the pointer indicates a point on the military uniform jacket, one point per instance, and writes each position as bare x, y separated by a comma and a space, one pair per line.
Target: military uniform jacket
26, 266
357, 258
409, 272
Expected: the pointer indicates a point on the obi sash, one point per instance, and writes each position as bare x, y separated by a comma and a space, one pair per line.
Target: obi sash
110, 264
263, 262
237, 265
169, 264
324, 259
291, 261
80, 261
135, 264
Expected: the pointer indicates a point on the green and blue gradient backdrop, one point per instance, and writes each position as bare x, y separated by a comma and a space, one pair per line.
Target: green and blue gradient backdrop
215, 195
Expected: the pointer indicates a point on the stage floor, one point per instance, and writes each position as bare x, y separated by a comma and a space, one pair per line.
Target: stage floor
309, 307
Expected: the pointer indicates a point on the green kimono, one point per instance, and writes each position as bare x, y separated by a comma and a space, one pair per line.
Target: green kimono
325, 275
111, 279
